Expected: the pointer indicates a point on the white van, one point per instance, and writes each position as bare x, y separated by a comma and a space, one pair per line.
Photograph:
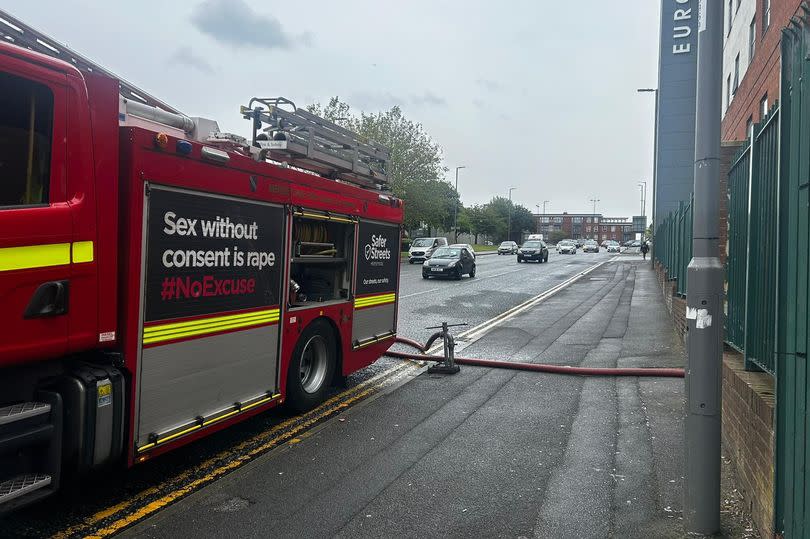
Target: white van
534, 237
422, 248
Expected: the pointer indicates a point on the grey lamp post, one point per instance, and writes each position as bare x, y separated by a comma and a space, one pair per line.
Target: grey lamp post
655, 170
509, 220
455, 209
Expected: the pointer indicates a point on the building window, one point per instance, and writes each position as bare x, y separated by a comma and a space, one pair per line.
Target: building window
613, 229
728, 92
763, 106
766, 15
730, 15
577, 219
752, 39
749, 126
736, 74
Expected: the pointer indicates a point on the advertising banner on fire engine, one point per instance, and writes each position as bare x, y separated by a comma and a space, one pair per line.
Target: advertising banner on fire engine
209, 254
376, 282
377, 258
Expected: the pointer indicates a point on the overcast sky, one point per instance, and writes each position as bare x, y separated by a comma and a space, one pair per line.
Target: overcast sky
537, 95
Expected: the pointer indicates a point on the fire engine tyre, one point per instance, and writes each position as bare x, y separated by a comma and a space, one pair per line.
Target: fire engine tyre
312, 366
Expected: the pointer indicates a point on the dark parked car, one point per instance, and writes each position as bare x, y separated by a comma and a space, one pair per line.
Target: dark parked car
533, 250
449, 262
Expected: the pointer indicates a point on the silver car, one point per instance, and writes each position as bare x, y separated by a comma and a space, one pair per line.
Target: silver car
567, 248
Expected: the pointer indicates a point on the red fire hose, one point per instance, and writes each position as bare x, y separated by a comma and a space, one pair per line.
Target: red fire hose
538, 367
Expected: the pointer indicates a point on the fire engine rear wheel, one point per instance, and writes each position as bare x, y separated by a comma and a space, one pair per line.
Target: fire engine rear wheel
312, 366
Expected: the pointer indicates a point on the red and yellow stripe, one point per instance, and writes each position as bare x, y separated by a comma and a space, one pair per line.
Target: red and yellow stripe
374, 301
200, 327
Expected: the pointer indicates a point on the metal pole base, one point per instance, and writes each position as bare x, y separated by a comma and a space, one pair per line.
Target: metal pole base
703, 399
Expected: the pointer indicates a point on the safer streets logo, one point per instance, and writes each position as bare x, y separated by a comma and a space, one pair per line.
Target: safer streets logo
377, 250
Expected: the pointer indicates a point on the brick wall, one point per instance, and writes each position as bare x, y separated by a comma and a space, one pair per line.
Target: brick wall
747, 420
762, 75
748, 437
675, 305
727, 152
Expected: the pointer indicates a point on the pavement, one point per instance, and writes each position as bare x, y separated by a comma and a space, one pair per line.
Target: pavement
486, 452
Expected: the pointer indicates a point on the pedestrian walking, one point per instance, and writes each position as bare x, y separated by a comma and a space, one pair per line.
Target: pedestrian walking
644, 249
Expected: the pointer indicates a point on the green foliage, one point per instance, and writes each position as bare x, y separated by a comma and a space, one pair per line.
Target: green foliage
415, 170
556, 236
497, 216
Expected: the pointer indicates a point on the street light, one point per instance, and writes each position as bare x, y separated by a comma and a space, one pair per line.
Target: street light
538, 217
595, 200
509, 220
643, 184
655, 169
455, 210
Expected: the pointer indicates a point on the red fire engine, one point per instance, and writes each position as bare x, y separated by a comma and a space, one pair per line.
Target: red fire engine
160, 280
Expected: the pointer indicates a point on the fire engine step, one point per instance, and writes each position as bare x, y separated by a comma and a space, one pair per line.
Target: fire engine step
22, 411
22, 485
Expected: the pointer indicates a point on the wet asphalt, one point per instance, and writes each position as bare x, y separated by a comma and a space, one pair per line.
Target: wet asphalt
500, 284
486, 453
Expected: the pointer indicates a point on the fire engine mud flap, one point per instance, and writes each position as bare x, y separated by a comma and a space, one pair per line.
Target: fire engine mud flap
212, 286
375, 310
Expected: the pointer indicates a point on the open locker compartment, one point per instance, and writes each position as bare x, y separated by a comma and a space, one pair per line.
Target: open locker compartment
321, 262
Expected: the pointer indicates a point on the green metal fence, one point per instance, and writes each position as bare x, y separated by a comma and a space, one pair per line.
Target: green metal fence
673, 244
793, 297
763, 226
737, 259
751, 265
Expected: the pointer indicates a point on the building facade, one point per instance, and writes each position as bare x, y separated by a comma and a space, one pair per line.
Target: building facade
751, 61
677, 79
586, 226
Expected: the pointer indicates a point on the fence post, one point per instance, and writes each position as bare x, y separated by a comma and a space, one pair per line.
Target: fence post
752, 158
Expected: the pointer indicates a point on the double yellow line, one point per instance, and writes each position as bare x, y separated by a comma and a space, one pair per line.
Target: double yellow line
372, 301
146, 503
203, 326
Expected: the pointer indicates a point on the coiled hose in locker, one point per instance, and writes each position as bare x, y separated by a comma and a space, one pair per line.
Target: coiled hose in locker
536, 367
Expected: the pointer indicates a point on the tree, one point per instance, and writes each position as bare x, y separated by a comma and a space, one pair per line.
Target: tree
415, 170
476, 217
522, 221
555, 236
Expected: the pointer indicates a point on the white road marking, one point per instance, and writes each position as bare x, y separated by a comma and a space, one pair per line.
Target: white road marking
478, 331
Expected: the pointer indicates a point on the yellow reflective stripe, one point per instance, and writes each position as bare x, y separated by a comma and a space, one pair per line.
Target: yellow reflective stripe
368, 299
82, 252
178, 334
161, 439
374, 340
324, 217
45, 255
192, 328
212, 320
374, 300
34, 256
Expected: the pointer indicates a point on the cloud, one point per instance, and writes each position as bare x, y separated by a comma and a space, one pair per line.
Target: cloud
489, 85
385, 100
185, 57
235, 23
429, 99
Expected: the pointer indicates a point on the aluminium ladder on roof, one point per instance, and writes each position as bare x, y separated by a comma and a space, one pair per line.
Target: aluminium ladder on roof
17, 32
307, 141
